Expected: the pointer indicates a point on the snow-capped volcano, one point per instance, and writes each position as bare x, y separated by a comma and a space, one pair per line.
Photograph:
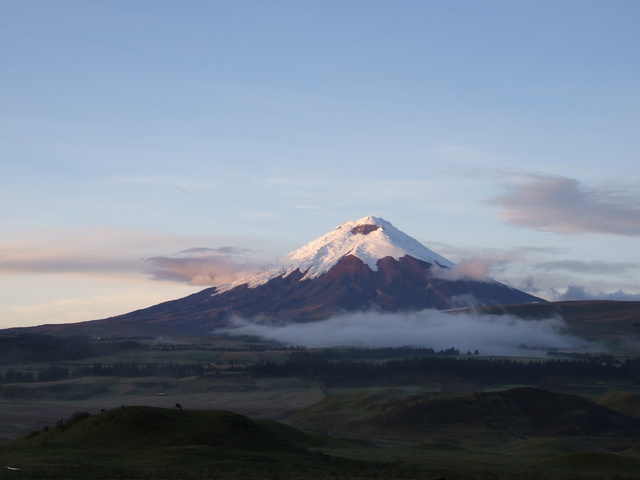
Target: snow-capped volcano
363, 265
369, 239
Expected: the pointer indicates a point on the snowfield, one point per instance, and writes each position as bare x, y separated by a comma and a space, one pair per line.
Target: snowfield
369, 239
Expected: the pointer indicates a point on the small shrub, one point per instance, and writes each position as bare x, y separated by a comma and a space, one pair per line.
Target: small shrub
62, 424
77, 417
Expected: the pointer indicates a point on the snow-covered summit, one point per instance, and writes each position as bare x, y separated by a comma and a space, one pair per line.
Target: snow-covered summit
369, 239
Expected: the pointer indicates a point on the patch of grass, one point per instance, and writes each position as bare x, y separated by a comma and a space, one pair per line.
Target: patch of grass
600, 462
437, 447
624, 402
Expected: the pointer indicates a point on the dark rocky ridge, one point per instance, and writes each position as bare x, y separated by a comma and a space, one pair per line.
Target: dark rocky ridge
364, 229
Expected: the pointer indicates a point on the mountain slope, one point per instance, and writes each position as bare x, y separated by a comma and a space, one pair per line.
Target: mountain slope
596, 320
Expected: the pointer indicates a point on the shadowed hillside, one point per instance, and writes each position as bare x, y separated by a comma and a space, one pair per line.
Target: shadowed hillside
624, 402
152, 427
504, 415
150, 442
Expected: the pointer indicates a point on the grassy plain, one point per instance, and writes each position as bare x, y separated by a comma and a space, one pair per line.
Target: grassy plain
288, 428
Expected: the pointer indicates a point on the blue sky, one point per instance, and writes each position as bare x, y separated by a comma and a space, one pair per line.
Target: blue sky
149, 149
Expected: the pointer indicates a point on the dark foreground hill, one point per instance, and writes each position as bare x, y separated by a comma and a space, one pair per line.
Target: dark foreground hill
141, 428
462, 436
150, 442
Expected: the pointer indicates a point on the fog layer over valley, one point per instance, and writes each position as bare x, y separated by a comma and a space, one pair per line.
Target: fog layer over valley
489, 334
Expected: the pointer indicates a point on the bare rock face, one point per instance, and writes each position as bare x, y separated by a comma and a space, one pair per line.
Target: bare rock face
364, 229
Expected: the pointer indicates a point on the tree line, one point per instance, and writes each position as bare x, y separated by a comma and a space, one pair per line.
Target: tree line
123, 369
25, 348
322, 365
388, 365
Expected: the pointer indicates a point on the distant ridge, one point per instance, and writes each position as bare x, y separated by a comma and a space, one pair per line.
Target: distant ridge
515, 413
597, 320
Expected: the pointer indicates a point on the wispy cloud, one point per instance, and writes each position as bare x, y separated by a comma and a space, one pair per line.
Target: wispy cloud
496, 257
593, 267
579, 292
177, 184
320, 191
565, 205
57, 259
528, 268
204, 266
430, 328
121, 253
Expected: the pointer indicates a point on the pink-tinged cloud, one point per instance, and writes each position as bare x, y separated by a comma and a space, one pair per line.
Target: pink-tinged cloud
204, 266
56, 261
564, 205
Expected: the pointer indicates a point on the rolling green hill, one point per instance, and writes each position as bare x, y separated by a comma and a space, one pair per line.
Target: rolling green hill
152, 427
151, 442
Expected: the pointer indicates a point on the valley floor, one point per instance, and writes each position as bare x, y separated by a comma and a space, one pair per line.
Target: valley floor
33, 407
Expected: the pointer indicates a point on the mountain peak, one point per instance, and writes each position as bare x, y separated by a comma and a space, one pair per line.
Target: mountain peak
369, 239
365, 225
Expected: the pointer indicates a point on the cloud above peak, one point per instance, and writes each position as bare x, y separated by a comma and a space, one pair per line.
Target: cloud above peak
565, 205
